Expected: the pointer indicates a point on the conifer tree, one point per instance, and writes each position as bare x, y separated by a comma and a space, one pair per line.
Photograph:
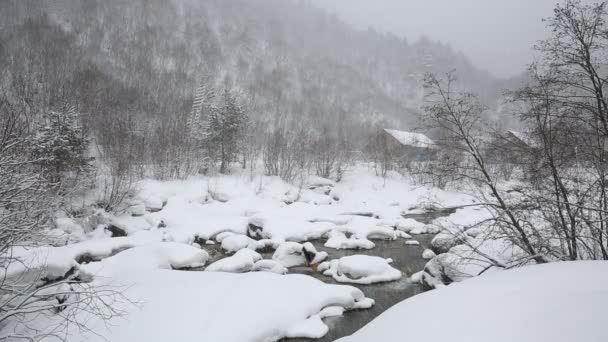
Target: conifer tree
59, 144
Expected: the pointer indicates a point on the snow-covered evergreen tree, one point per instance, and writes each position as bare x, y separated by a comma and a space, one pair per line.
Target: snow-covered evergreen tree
59, 145
225, 129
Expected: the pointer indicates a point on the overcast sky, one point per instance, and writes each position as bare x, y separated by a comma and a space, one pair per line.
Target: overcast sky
496, 34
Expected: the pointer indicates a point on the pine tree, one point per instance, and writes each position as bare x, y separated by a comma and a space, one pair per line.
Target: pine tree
59, 144
224, 130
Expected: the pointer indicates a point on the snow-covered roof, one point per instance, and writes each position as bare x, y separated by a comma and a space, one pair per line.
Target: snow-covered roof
411, 138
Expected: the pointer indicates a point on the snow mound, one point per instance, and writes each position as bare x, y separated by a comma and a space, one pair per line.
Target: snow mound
160, 255
269, 266
236, 242
53, 263
338, 240
189, 219
360, 269
195, 306
314, 182
558, 302
279, 227
241, 262
291, 254
428, 254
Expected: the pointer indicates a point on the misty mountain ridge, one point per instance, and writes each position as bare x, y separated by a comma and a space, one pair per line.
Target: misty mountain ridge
286, 59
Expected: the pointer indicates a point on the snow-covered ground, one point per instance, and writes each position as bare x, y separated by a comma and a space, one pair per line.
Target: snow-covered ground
558, 302
172, 225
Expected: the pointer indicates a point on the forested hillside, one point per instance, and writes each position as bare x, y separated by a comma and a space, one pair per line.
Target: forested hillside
286, 59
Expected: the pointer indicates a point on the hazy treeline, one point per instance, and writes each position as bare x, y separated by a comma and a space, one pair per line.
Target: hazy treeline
131, 69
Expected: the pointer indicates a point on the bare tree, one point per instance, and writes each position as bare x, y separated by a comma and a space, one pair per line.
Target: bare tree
28, 291
567, 111
459, 115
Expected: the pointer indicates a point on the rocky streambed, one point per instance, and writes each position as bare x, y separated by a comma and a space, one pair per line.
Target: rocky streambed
406, 257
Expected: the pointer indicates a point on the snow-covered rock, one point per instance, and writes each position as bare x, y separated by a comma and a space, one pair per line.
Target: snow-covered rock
412, 242
557, 302
153, 204
428, 254
445, 240
214, 306
408, 225
281, 227
291, 254
338, 240
137, 209
360, 269
426, 229
314, 182
242, 261
269, 266
161, 255
236, 242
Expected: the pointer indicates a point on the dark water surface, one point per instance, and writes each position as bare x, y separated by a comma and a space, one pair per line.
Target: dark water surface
406, 258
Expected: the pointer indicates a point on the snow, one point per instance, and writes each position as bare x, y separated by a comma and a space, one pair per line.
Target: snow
412, 243
411, 138
557, 302
313, 327
408, 225
291, 254
280, 227
242, 261
314, 182
137, 210
236, 242
269, 266
55, 262
360, 269
153, 204
213, 306
338, 240
67, 231
428, 254
160, 255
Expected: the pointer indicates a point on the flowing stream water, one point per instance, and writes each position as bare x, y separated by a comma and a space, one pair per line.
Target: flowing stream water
406, 258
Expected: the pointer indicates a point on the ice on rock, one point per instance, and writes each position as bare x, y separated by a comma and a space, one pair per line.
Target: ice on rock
269, 266
360, 269
242, 261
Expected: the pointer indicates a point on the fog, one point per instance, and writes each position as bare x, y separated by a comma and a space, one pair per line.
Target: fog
496, 35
